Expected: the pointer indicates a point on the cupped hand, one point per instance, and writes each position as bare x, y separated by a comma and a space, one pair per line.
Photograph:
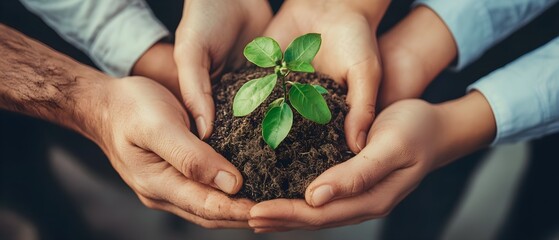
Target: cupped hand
209, 40
401, 152
349, 52
409, 139
145, 133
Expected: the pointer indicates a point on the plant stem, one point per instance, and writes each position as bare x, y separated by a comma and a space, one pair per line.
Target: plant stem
282, 71
284, 88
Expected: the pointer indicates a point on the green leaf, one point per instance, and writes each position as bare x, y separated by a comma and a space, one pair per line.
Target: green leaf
300, 53
309, 103
264, 52
320, 89
277, 124
275, 103
300, 67
252, 94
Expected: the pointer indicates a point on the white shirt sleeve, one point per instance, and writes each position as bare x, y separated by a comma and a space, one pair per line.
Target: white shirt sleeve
524, 95
477, 25
114, 33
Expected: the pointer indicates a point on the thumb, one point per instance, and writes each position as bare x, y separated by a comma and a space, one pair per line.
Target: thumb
363, 80
196, 160
355, 176
195, 85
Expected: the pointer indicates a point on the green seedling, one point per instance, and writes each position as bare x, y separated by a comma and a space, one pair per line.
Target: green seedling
307, 99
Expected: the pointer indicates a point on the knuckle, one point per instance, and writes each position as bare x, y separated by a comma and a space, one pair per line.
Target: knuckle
316, 223
367, 109
358, 184
149, 203
143, 187
196, 100
208, 224
189, 161
152, 124
217, 207
381, 210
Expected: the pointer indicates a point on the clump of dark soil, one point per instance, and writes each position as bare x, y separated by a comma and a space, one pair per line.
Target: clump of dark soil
308, 150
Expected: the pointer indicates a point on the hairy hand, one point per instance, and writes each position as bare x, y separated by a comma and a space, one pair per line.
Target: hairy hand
145, 133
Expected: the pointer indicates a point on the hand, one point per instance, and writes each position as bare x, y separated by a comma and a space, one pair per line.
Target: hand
209, 40
408, 140
404, 51
158, 64
145, 134
349, 52
141, 127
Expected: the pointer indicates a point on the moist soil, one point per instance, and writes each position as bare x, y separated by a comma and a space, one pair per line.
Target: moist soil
308, 150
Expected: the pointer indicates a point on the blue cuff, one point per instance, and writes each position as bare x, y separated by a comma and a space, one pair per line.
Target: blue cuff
524, 95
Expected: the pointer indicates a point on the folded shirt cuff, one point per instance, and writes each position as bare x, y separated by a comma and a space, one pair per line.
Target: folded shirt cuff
470, 25
523, 109
125, 38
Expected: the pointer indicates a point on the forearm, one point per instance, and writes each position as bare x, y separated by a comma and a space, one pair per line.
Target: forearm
466, 125
477, 25
431, 52
114, 33
39, 82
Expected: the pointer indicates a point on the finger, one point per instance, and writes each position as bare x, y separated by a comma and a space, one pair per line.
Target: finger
200, 200
195, 86
296, 214
275, 225
363, 80
212, 224
194, 159
359, 173
270, 230
375, 203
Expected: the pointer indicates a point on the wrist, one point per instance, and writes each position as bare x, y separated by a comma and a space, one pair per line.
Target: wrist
374, 10
90, 111
158, 63
467, 124
42, 83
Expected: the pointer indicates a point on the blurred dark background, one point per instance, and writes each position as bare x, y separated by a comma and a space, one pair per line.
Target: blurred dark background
31, 190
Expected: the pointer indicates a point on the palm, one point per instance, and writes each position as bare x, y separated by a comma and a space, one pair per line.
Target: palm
347, 37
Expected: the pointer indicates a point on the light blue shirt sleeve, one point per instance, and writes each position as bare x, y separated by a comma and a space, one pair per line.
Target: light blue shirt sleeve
114, 33
524, 95
477, 25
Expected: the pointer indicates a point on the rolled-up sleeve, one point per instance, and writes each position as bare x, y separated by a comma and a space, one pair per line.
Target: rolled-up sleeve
114, 33
477, 25
524, 95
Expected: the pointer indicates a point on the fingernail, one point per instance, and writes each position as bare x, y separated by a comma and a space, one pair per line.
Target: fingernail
225, 181
361, 139
321, 195
201, 124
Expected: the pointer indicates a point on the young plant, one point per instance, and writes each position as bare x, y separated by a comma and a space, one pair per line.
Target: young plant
307, 99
